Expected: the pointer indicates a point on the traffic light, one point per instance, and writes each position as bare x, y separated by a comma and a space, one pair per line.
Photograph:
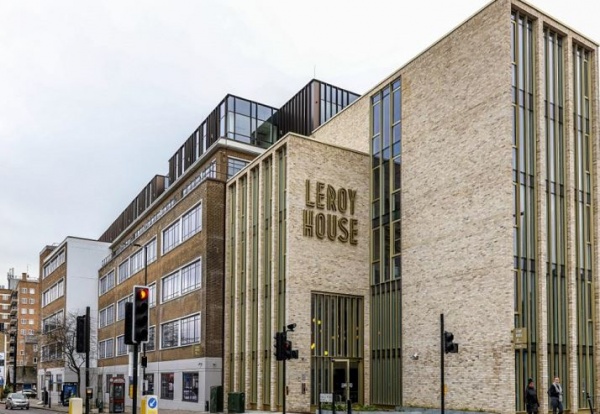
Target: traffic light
81, 343
288, 349
289, 352
141, 297
280, 341
129, 324
449, 345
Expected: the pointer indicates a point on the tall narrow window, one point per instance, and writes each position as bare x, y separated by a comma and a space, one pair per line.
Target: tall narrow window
524, 194
254, 282
584, 248
386, 251
233, 217
267, 274
556, 277
243, 274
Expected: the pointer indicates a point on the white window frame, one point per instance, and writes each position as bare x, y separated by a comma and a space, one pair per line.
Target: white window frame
151, 339
178, 288
104, 347
152, 294
58, 318
123, 265
121, 303
170, 233
178, 324
151, 250
106, 316
121, 346
54, 292
106, 283
136, 261
191, 222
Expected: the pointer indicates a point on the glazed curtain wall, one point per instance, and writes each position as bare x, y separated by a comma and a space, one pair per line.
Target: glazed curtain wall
386, 269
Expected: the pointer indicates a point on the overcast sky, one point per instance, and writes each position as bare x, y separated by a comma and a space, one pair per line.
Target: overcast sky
95, 97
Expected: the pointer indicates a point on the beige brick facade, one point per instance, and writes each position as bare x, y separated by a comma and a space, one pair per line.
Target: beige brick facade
457, 211
312, 264
457, 220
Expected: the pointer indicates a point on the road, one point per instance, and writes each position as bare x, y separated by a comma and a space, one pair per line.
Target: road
38, 409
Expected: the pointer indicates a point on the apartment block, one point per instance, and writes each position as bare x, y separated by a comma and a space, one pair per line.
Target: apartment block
68, 285
5, 305
23, 330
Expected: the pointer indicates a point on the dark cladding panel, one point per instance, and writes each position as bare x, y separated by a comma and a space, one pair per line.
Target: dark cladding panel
190, 151
311, 107
294, 116
144, 199
172, 168
157, 186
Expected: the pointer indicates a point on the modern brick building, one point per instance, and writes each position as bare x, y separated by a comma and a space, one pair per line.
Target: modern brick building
482, 181
297, 252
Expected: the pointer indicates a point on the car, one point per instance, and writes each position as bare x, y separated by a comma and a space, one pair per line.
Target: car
29, 393
16, 400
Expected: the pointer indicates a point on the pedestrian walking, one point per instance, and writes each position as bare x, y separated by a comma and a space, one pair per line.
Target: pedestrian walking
556, 396
531, 399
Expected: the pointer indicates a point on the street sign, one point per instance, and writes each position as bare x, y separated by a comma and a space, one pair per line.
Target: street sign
326, 398
520, 338
149, 404
152, 402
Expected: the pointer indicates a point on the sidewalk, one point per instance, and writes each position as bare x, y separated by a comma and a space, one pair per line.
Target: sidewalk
60, 409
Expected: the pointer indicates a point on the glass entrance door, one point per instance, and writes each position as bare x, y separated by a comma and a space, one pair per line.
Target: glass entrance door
345, 380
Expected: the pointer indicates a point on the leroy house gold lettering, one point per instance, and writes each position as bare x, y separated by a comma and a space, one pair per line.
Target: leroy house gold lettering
329, 225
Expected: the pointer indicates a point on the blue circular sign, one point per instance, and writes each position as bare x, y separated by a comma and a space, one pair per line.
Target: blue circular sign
152, 402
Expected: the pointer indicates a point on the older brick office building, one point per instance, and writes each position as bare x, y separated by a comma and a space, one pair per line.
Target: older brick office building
483, 207
178, 221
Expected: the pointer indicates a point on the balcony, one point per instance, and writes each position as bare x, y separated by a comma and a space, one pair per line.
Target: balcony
13, 311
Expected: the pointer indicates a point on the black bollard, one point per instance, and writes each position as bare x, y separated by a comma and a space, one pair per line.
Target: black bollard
349, 404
